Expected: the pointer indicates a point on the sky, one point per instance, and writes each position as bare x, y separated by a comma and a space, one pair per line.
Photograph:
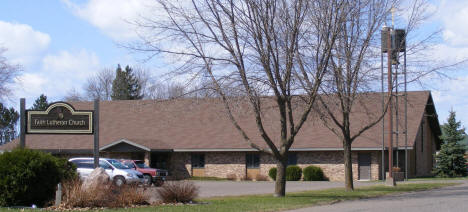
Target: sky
60, 43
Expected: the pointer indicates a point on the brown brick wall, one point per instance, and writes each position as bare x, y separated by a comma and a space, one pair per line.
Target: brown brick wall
331, 163
376, 161
223, 164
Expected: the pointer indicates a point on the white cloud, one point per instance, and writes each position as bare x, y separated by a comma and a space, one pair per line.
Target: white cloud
77, 65
24, 44
452, 94
454, 15
59, 73
113, 17
28, 84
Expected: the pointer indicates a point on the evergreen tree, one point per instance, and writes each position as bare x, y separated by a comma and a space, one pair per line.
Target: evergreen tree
8, 119
134, 86
119, 85
40, 103
125, 85
450, 161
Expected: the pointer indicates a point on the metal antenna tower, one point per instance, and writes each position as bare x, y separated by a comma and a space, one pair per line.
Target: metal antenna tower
393, 41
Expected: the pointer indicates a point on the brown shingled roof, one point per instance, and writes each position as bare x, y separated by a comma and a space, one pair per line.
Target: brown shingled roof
202, 124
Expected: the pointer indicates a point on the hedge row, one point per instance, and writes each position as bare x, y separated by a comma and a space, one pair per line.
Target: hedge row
294, 173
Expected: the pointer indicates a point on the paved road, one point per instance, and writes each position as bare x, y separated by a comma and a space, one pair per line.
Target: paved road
449, 199
230, 188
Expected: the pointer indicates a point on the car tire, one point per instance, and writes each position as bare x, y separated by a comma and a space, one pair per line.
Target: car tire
147, 180
119, 181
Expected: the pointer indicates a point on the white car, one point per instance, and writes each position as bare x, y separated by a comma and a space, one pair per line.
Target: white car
118, 173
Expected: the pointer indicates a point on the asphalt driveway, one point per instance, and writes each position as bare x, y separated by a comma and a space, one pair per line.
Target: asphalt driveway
232, 188
236, 188
448, 199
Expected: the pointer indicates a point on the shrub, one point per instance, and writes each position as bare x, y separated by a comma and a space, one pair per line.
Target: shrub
313, 173
178, 192
272, 173
108, 195
30, 177
293, 173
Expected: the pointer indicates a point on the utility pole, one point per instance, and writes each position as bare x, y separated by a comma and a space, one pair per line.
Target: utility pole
22, 123
390, 180
96, 133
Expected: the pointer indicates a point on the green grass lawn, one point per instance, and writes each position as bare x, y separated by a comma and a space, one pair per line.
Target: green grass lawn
291, 201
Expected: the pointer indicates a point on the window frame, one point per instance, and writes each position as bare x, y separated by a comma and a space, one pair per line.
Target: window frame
292, 157
198, 160
252, 160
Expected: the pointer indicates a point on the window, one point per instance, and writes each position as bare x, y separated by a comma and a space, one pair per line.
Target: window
104, 165
198, 160
84, 164
141, 164
129, 164
160, 160
252, 161
292, 158
117, 164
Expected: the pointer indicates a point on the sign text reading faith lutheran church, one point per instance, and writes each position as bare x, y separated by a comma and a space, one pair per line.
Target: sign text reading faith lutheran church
60, 118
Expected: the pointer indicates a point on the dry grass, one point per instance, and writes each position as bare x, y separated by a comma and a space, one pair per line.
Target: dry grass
109, 196
178, 192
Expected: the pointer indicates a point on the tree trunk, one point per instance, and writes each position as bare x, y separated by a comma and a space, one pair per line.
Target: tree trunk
348, 166
280, 185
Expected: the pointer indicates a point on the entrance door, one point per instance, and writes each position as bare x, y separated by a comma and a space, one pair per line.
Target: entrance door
364, 163
160, 160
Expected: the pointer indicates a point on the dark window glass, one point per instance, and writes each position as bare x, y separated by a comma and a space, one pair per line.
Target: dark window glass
292, 158
252, 160
160, 160
198, 161
86, 164
141, 164
129, 164
117, 164
104, 165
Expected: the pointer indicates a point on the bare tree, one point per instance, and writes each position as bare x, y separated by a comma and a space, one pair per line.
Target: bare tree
257, 48
73, 96
8, 73
166, 90
99, 86
354, 72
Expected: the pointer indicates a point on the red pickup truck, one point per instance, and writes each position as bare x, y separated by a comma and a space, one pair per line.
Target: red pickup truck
150, 175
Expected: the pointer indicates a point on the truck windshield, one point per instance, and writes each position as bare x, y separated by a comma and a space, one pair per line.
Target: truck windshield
117, 164
141, 164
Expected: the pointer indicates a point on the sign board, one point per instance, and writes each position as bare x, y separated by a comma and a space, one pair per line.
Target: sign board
59, 118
